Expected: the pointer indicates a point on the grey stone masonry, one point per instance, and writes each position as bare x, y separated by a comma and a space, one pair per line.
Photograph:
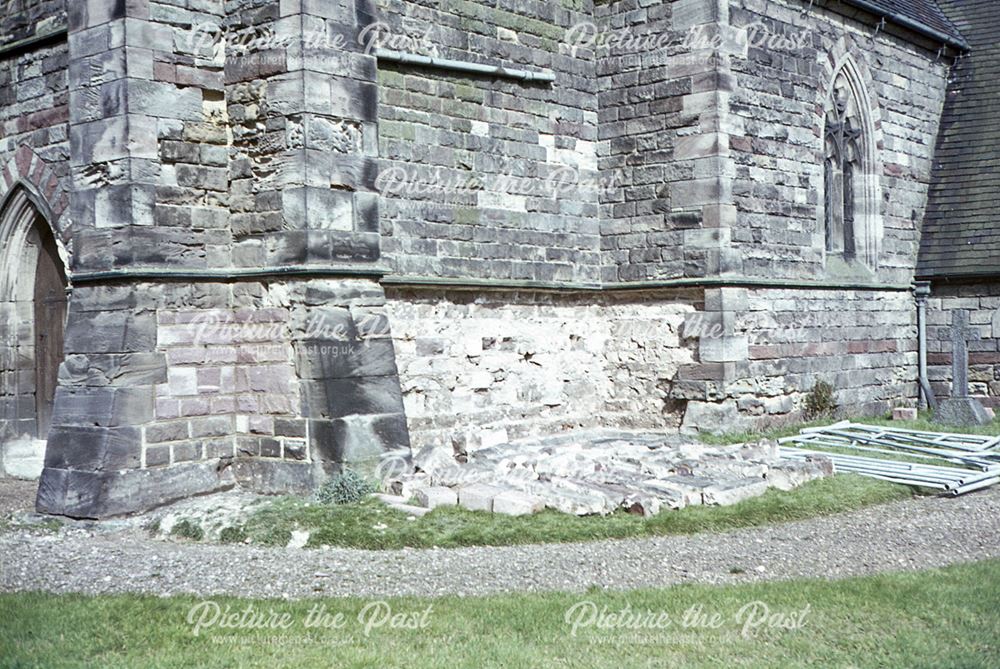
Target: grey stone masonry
218, 139
287, 256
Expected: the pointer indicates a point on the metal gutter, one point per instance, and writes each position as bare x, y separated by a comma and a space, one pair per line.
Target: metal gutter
238, 274
911, 24
921, 291
960, 278
403, 281
754, 282
464, 66
707, 282
33, 42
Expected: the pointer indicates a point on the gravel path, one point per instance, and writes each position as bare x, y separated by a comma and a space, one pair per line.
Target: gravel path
914, 534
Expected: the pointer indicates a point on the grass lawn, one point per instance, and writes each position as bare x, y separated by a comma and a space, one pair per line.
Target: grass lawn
940, 618
371, 524
923, 422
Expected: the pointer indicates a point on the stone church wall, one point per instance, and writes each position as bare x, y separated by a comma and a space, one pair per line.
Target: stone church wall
486, 177
771, 95
776, 109
638, 243
862, 342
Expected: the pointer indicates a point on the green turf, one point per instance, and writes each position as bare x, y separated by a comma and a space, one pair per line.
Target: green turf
923, 422
371, 524
937, 619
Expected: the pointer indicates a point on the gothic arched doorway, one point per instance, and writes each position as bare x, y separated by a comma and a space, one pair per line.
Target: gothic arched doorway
50, 324
32, 325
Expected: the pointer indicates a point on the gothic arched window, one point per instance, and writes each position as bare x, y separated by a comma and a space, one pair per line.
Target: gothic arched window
849, 184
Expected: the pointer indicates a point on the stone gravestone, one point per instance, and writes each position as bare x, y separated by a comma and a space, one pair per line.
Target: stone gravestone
960, 409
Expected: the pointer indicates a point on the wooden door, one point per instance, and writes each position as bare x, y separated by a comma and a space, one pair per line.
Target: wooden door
50, 322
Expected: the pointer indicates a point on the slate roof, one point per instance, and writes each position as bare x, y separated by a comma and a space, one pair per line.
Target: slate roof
924, 15
961, 229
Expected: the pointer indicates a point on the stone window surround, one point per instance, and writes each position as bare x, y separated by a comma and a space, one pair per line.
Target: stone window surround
867, 192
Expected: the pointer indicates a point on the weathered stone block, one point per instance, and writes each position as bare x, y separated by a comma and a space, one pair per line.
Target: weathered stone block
110, 332
436, 496
333, 359
336, 398
515, 503
87, 494
478, 496
959, 411
360, 438
22, 458
93, 448
724, 494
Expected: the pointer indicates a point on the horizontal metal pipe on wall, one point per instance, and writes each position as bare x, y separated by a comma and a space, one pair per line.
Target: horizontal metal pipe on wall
464, 66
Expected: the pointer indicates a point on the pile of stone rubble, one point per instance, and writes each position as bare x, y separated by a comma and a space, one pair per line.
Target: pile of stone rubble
598, 472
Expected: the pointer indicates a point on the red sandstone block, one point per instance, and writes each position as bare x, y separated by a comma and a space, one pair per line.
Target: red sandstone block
22, 160
184, 356
247, 404
264, 352
220, 354
275, 404
166, 72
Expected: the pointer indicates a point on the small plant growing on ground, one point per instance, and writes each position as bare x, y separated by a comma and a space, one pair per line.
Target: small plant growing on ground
819, 401
233, 535
188, 529
345, 488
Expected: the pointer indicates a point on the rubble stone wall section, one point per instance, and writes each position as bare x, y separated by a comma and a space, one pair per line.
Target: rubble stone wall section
478, 368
